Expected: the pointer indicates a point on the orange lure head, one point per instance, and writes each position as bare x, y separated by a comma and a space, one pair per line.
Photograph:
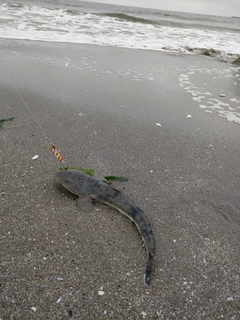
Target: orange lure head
57, 152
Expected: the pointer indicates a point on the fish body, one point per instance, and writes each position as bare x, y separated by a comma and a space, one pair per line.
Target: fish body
82, 185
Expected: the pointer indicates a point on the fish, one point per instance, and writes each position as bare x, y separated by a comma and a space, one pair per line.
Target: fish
83, 185
57, 153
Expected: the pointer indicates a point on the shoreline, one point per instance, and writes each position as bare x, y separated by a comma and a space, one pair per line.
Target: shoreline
100, 106
202, 52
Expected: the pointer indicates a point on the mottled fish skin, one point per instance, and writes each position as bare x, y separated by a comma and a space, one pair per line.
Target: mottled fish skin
81, 184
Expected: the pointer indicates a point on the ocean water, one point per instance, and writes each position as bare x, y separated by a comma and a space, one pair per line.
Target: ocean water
138, 28
121, 26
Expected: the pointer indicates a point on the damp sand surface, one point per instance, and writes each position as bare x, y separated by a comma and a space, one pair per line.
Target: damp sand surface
130, 113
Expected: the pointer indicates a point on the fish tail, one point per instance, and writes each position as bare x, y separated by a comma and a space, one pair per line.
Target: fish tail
147, 275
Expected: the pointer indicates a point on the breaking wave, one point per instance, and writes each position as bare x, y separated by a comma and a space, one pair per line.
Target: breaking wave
122, 27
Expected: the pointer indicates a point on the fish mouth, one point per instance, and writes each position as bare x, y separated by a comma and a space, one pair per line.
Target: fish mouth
56, 176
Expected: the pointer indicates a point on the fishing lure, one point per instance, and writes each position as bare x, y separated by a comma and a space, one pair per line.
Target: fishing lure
57, 153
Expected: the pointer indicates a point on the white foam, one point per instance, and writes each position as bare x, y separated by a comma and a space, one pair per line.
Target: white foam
231, 116
59, 25
205, 99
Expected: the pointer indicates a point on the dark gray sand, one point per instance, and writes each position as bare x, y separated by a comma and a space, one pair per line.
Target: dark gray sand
100, 106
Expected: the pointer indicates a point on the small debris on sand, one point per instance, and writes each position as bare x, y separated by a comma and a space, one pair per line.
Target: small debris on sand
100, 293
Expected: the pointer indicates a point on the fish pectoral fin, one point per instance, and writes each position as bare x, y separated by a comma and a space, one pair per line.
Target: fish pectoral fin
84, 204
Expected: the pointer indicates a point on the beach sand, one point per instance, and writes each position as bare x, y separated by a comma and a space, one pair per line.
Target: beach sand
123, 112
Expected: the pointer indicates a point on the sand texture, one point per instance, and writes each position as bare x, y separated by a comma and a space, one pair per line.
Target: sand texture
137, 114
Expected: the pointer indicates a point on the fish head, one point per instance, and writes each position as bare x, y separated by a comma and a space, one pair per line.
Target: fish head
69, 179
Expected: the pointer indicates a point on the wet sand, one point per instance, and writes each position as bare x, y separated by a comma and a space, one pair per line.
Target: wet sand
100, 106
